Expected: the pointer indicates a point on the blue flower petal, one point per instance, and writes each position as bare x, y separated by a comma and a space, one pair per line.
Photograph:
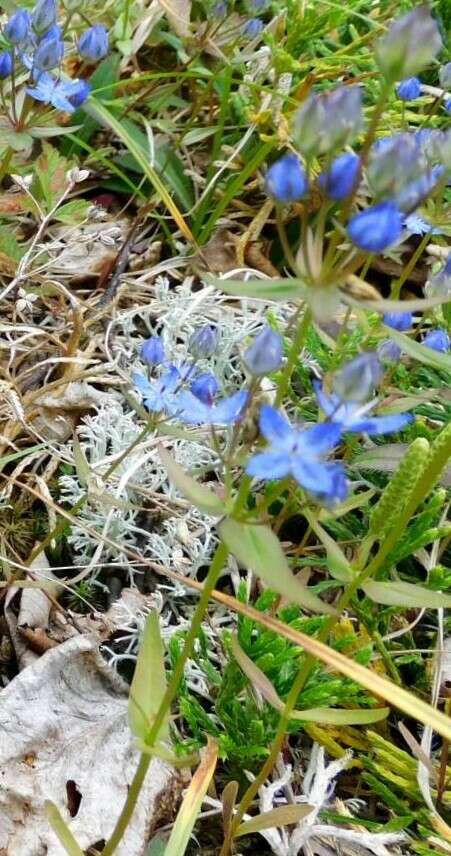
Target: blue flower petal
382, 424
321, 438
229, 409
269, 465
191, 409
275, 428
315, 476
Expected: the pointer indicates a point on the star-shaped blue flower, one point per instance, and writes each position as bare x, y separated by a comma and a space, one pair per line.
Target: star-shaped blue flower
160, 395
299, 453
61, 94
194, 411
354, 417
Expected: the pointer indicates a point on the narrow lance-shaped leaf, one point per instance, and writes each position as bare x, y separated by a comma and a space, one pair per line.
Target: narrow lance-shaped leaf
324, 715
192, 802
336, 560
282, 816
257, 548
202, 497
406, 594
279, 290
149, 682
420, 352
62, 830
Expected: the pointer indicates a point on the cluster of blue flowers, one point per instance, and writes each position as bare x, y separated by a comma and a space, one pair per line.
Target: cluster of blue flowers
37, 44
436, 339
189, 394
402, 170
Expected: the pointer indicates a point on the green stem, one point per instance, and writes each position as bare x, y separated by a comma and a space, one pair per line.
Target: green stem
410, 266
293, 356
216, 567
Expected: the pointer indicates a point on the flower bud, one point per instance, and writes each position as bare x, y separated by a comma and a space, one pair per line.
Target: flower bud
48, 54
444, 75
328, 120
18, 26
357, 380
417, 191
205, 388
93, 43
409, 89
43, 16
265, 355
6, 64
447, 105
286, 180
376, 228
398, 320
204, 341
341, 178
438, 340
389, 351
152, 351
394, 161
410, 45
439, 284
252, 28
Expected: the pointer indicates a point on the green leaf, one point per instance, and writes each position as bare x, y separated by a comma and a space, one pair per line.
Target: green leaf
15, 456
17, 140
75, 211
50, 171
81, 465
122, 129
419, 352
336, 559
257, 548
282, 816
406, 594
280, 290
41, 133
61, 829
157, 846
202, 497
324, 715
149, 682
10, 246
386, 459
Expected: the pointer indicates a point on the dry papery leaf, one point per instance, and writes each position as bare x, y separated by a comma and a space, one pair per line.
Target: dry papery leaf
64, 737
87, 252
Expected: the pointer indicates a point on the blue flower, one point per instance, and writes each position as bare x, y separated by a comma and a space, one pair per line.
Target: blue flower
152, 351
160, 395
357, 380
63, 95
48, 54
300, 454
447, 105
341, 178
354, 417
205, 387
93, 43
204, 341
252, 28
192, 410
389, 351
265, 355
6, 64
376, 228
220, 9
286, 179
18, 27
43, 16
417, 226
398, 320
438, 340
394, 162
409, 89
76, 92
